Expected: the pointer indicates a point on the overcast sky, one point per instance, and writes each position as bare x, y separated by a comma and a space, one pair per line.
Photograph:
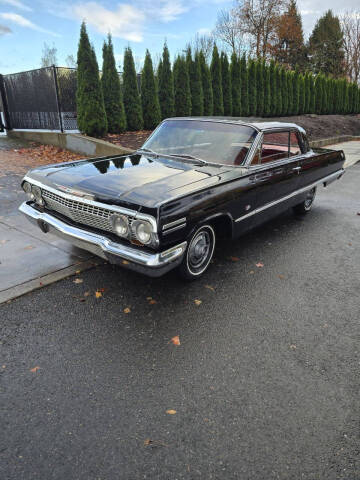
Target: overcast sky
26, 24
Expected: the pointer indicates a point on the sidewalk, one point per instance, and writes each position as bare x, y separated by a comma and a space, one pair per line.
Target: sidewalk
28, 258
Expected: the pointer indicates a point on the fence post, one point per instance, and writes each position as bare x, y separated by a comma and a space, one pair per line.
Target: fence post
5, 104
57, 98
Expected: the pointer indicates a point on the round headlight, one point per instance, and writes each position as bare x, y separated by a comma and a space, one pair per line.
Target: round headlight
143, 231
120, 225
36, 191
27, 189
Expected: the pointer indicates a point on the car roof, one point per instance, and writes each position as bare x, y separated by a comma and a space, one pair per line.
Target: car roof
258, 125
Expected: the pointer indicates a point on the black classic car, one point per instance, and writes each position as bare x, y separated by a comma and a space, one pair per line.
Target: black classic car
193, 180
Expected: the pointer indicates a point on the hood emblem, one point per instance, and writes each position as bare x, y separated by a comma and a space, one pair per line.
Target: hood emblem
71, 191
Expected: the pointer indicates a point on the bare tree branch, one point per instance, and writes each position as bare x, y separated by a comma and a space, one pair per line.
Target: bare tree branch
350, 24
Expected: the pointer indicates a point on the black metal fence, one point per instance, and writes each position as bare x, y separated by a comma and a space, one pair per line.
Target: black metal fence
40, 99
44, 98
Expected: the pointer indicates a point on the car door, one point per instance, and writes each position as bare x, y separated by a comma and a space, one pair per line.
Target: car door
275, 173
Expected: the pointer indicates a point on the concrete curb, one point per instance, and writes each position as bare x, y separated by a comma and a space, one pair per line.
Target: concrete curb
92, 147
333, 140
36, 283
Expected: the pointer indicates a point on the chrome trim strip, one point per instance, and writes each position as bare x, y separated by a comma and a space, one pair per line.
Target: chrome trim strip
170, 230
99, 244
175, 222
337, 174
112, 208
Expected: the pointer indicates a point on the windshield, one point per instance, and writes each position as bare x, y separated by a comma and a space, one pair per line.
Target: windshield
216, 142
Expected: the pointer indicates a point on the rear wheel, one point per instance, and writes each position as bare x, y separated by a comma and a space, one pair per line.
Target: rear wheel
198, 253
305, 206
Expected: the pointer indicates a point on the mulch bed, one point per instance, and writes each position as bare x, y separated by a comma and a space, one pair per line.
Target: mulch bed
133, 140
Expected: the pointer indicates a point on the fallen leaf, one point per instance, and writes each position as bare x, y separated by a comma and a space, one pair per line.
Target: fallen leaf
98, 294
148, 442
28, 247
127, 310
171, 412
34, 370
251, 272
3, 242
210, 288
78, 280
281, 276
152, 301
350, 244
197, 302
293, 347
148, 298
259, 264
175, 340
125, 262
77, 272
86, 294
234, 259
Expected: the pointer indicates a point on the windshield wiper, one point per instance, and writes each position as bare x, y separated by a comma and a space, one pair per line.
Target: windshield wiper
186, 156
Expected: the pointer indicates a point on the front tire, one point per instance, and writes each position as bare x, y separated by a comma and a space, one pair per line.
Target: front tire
198, 254
305, 206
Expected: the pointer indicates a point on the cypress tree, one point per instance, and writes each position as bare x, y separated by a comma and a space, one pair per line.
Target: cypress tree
284, 92
235, 72
260, 88
206, 85
296, 92
301, 94
307, 93
182, 88
244, 88
267, 91
110, 82
149, 99
338, 96
166, 85
273, 89
197, 99
226, 84
91, 115
312, 106
346, 96
318, 94
132, 101
216, 80
278, 91
252, 87
290, 92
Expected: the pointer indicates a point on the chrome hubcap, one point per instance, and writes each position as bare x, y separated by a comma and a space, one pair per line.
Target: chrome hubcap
199, 250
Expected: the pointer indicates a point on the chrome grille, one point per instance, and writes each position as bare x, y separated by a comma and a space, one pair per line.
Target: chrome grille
80, 212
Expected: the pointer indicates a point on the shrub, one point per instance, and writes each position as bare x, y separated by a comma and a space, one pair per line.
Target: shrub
132, 102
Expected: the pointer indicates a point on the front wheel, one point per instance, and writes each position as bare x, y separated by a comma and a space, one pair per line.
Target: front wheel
305, 206
198, 253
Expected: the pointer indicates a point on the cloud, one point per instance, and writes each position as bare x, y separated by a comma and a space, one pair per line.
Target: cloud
124, 22
4, 30
24, 22
204, 31
16, 4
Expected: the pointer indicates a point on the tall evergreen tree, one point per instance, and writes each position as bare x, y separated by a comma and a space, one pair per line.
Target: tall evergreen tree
273, 89
260, 88
110, 82
326, 46
252, 87
267, 91
278, 90
318, 94
226, 84
307, 92
206, 85
132, 101
197, 98
312, 106
216, 80
235, 72
166, 85
284, 92
244, 88
182, 88
149, 98
296, 92
301, 94
289, 82
91, 115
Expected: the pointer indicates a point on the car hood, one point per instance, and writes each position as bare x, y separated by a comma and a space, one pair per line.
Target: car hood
131, 179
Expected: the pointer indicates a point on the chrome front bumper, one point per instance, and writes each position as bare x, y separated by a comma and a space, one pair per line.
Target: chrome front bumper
152, 264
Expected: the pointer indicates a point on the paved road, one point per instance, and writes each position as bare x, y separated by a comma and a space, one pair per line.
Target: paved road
265, 383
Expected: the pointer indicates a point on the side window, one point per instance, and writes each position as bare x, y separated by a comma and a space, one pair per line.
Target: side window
295, 148
275, 146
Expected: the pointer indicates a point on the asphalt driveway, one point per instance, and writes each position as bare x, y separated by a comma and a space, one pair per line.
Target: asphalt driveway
264, 383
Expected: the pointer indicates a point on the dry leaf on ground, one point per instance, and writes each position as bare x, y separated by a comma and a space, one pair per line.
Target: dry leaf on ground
78, 280
259, 264
281, 276
127, 310
98, 294
86, 294
234, 259
34, 370
210, 288
171, 412
197, 302
175, 340
152, 301
293, 347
